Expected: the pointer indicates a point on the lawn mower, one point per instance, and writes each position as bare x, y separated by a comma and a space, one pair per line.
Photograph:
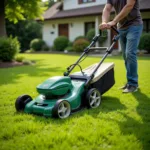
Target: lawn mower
61, 96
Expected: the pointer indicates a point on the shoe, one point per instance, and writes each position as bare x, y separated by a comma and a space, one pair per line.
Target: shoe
130, 89
123, 87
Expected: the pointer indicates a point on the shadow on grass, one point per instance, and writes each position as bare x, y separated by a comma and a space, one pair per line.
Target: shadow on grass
11, 75
141, 129
108, 104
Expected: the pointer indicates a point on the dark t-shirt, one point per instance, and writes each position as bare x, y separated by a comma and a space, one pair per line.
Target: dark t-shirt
133, 18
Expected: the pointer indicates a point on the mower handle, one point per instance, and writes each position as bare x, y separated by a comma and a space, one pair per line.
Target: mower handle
86, 50
115, 29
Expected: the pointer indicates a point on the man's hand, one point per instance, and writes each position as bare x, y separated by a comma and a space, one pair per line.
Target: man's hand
103, 26
108, 25
111, 24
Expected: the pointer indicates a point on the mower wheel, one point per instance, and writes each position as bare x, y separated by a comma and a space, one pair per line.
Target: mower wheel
93, 98
61, 109
21, 102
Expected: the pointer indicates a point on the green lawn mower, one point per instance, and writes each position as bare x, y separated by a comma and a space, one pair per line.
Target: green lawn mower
61, 96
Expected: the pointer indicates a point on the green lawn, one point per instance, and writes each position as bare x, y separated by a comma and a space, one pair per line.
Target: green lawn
122, 122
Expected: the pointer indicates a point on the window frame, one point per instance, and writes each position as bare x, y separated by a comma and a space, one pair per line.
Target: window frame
146, 28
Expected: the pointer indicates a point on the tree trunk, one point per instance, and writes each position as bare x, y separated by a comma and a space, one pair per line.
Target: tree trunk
2, 19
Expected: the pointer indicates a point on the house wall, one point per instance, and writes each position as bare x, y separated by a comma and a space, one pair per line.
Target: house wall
73, 4
76, 28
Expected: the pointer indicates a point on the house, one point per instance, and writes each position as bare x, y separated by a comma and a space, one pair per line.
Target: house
73, 18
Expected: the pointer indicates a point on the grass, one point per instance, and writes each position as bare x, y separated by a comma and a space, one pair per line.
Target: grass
122, 122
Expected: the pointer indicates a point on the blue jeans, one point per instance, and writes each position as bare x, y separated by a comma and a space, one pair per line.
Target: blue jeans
129, 40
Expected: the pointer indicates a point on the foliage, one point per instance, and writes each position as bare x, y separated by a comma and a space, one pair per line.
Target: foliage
121, 122
60, 43
69, 48
103, 35
80, 45
27, 62
21, 9
19, 58
25, 31
37, 44
80, 37
90, 34
9, 47
145, 42
70, 43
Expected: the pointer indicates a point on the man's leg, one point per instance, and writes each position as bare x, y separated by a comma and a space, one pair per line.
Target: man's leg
133, 38
123, 41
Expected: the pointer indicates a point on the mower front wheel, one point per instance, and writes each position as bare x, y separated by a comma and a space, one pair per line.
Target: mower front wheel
93, 98
61, 109
21, 102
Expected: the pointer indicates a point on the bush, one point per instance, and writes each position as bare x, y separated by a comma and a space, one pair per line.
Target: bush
69, 48
27, 62
103, 36
9, 47
19, 58
80, 37
80, 45
37, 44
90, 34
70, 44
145, 42
25, 30
60, 43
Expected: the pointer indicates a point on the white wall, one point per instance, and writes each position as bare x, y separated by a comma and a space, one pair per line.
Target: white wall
76, 28
73, 4
48, 28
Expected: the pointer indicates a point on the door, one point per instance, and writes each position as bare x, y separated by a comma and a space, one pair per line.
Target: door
63, 30
112, 35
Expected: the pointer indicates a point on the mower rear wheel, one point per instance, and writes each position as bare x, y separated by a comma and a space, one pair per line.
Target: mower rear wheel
61, 109
93, 98
21, 102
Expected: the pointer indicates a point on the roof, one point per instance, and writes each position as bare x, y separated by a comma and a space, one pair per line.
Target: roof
55, 12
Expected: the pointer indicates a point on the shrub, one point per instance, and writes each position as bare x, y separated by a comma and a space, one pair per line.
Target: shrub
80, 37
70, 44
19, 58
25, 30
80, 45
145, 42
69, 48
27, 62
103, 35
60, 43
37, 44
45, 48
9, 47
90, 34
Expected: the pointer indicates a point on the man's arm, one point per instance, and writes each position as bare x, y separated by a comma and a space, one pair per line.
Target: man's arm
105, 16
106, 13
124, 12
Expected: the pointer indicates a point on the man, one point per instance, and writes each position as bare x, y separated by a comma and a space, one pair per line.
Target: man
129, 21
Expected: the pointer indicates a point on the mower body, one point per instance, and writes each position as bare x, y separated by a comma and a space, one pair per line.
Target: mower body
54, 89
61, 95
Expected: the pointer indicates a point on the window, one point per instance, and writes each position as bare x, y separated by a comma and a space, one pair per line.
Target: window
146, 25
85, 1
88, 26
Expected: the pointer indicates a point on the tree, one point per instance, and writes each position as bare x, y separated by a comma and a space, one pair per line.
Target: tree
25, 31
15, 10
